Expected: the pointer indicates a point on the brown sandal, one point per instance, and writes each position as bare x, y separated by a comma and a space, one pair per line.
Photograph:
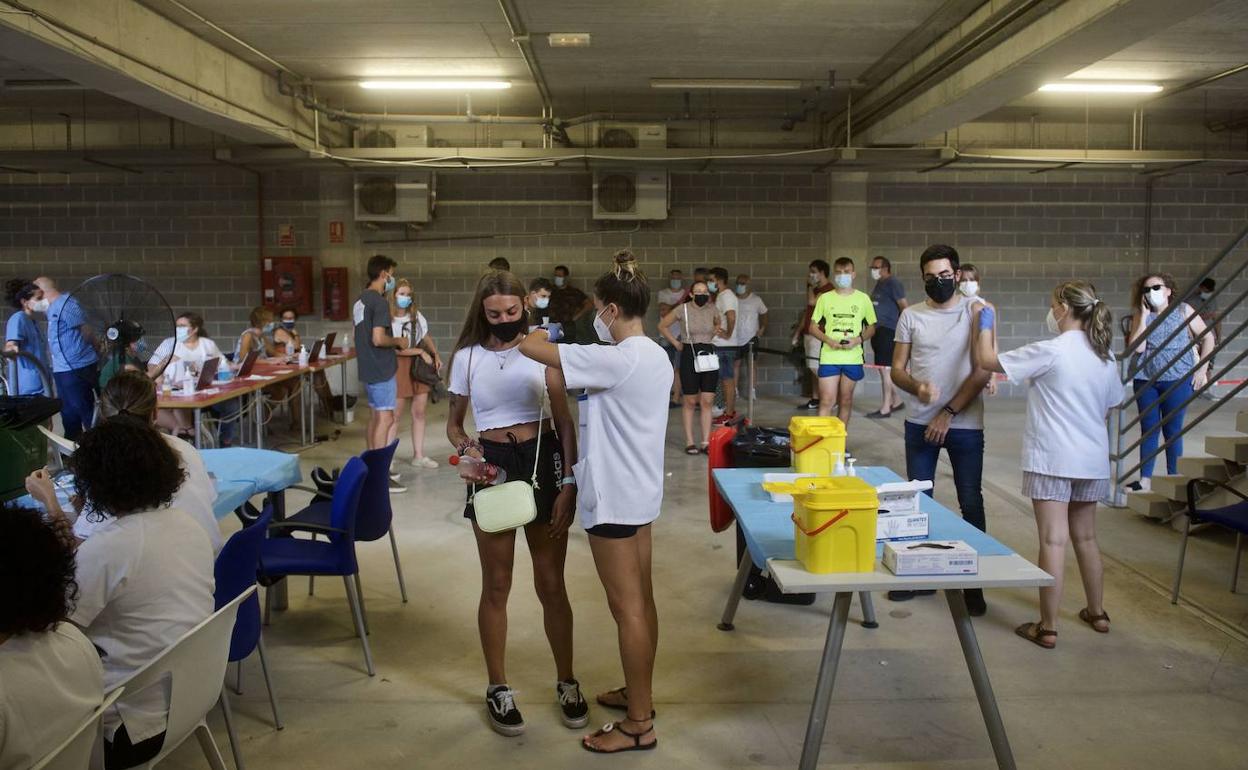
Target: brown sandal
623, 693
617, 727
1087, 617
1038, 635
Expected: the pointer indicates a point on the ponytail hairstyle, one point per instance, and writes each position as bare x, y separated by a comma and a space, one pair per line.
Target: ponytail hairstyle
129, 394
197, 323
624, 285
18, 290
476, 329
1089, 309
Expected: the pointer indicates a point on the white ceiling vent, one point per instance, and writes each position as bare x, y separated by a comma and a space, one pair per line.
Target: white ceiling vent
393, 197
630, 194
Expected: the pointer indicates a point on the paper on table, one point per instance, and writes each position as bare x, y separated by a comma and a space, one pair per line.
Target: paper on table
203, 392
259, 377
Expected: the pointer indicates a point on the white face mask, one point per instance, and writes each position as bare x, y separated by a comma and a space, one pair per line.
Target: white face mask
1205, 295
843, 280
969, 288
1157, 299
603, 329
1051, 322
541, 303
876, 273
41, 305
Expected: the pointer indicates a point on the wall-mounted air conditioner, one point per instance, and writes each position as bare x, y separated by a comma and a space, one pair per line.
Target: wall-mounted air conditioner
630, 194
382, 135
394, 196
631, 135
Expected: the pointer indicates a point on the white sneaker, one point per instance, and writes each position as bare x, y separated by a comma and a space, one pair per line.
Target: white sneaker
716, 411
394, 476
424, 462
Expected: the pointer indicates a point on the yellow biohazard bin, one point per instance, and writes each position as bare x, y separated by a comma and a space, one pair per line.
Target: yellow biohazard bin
834, 523
816, 442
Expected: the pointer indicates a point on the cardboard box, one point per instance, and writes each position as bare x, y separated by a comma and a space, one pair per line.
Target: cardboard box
901, 525
931, 557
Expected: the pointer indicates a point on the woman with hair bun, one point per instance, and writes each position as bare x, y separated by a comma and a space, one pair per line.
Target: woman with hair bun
1073, 383
21, 334
620, 478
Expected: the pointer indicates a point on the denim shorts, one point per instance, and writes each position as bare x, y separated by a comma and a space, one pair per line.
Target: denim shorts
382, 395
852, 371
727, 357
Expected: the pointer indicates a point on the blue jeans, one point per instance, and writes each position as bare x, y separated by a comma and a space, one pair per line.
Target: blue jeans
76, 389
227, 410
966, 453
1153, 409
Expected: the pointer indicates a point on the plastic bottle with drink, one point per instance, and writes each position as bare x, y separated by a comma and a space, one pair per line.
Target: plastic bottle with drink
471, 468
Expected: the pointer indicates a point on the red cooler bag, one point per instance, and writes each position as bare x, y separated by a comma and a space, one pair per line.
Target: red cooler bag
720, 452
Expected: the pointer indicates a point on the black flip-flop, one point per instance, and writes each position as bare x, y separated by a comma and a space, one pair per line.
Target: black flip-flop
623, 693
878, 415
615, 727
692, 450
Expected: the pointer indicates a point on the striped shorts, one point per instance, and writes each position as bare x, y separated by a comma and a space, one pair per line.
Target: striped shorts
1039, 486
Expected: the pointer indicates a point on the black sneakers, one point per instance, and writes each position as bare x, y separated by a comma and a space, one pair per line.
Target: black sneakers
574, 711
500, 703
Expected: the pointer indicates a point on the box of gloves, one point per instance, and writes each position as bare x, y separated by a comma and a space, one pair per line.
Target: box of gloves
931, 557
900, 517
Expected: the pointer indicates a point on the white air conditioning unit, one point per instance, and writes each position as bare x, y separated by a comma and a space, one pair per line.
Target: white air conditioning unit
385, 135
630, 194
631, 135
394, 196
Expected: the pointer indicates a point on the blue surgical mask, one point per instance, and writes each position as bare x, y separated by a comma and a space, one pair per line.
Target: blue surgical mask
675, 283
389, 285
713, 286
541, 303
288, 324
843, 280
742, 289
403, 301
269, 327
181, 333
560, 281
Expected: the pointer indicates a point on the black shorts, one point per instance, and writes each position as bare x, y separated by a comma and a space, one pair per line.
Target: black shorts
615, 531
692, 382
882, 345
516, 458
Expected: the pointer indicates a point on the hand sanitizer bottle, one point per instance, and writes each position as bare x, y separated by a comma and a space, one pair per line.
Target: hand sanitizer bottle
303, 356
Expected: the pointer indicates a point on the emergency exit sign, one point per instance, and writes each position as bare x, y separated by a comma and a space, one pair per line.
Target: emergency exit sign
337, 232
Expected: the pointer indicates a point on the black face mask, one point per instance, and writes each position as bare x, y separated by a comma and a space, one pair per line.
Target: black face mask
940, 289
507, 331
701, 299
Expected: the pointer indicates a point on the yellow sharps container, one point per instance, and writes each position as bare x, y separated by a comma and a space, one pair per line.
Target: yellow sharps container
834, 523
816, 442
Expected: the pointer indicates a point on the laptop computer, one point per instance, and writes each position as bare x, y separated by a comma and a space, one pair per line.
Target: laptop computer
329, 343
208, 373
249, 363
315, 354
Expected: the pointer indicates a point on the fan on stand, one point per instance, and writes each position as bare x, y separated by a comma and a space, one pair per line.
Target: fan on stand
125, 316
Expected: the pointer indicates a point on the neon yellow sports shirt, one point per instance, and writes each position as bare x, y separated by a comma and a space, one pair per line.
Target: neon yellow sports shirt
843, 316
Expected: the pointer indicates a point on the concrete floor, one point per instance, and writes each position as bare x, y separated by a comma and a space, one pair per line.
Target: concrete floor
1168, 687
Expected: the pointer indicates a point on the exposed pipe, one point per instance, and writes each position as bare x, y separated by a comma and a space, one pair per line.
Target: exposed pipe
520, 36
1200, 83
219, 30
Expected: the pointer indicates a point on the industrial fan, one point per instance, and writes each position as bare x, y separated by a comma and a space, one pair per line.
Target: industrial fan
125, 317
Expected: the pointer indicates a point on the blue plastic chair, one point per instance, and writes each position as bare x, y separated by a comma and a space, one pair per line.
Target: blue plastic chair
235, 572
1234, 517
284, 556
375, 519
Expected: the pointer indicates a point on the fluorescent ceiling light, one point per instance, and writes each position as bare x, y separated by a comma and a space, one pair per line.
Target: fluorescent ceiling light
568, 39
435, 85
736, 84
1077, 87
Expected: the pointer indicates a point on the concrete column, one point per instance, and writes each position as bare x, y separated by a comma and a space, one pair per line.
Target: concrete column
847, 218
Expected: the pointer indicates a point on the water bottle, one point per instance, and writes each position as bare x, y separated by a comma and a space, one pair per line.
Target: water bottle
471, 467
303, 356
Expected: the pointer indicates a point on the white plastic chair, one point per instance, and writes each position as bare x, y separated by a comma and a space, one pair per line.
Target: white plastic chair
82, 748
195, 665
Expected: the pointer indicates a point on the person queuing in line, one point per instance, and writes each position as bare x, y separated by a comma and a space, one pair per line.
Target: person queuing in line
817, 284
1073, 384
537, 308
50, 674
286, 335
1170, 356
888, 297
376, 361
669, 298
699, 322
144, 579
969, 285
568, 306
751, 321
622, 472
407, 321
184, 355
508, 394
725, 340
22, 335
500, 263
932, 365
259, 336
1207, 308
75, 363
847, 318
132, 396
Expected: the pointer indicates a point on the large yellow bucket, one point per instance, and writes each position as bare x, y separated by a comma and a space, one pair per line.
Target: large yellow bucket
834, 522
816, 442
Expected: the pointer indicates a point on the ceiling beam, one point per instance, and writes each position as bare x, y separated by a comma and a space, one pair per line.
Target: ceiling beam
1051, 45
124, 49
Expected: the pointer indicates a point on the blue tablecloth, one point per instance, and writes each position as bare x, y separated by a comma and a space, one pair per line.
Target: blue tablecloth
768, 530
269, 471
231, 495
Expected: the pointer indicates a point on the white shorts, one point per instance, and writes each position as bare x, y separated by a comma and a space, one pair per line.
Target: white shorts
1039, 486
814, 346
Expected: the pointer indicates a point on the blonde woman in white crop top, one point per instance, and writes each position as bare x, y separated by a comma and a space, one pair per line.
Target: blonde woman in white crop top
505, 391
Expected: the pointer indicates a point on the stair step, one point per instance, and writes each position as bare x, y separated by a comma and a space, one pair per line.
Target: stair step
1241, 422
1233, 448
1203, 467
1171, 487
1152, 504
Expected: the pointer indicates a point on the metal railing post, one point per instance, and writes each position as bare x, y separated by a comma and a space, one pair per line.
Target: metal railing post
1117, 495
